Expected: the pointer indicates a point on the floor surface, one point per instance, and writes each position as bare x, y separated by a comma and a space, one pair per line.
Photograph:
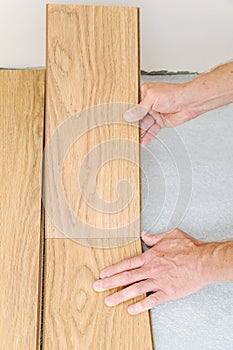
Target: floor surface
188, 182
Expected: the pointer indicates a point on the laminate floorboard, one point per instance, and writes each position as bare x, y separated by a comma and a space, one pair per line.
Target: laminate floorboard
92, 59
21, 143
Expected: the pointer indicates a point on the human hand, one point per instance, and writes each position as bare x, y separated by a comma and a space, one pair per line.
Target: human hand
174, 267
162, 105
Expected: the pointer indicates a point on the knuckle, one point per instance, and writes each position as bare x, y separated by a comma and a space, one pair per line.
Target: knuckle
150, 271
150, 92
105, 283
150, 120
150, 301
128, 263
138, 288
128, 275
144, 256
154, 298
178, 232
144, 86
171, 291
141, 258
117, 296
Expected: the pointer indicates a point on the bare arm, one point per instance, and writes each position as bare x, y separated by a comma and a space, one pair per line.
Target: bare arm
210, 90
219, 261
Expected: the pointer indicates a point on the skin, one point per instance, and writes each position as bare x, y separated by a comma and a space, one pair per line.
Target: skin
169, 105
177, 264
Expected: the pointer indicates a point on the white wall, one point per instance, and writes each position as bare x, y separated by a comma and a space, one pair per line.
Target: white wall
175, 34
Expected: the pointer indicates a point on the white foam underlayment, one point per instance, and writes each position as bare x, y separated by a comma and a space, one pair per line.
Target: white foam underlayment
204, 320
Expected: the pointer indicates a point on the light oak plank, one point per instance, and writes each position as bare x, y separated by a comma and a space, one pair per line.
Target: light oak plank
75, 316
92, 58
21, 144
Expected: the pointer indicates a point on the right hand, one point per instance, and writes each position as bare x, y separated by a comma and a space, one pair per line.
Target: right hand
162, 105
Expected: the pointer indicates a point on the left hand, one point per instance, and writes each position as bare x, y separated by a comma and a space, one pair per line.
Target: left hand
173, 268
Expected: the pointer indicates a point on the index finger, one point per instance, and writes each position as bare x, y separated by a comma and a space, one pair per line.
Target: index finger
124, 265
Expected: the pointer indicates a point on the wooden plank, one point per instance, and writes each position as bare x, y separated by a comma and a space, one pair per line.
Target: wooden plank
92, 58
21, 143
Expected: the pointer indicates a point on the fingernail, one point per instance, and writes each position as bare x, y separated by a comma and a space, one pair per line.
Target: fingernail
132, 310
135, 113
109, 302
143, 143
103, 274
97, 286
128, 116
143, 233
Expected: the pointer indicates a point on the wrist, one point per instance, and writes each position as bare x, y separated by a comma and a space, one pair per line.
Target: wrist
217, 262
196, 97
189, 99
209, 91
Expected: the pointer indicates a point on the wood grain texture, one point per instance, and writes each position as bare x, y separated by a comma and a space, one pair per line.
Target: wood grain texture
92, 58
21, 143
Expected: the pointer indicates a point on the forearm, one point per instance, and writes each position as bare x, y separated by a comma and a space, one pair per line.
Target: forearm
218, 261
210, 90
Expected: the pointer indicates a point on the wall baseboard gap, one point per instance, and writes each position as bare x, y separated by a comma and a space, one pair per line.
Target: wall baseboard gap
22, 68
165, 72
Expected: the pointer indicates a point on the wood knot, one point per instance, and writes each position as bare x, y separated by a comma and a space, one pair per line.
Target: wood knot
62, 58
81, 300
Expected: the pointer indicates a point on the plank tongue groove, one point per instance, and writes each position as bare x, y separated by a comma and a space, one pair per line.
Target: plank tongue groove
92, 59
21, 144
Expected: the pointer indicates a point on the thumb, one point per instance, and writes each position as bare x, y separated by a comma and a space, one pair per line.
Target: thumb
135, 113
152, 239
141, 110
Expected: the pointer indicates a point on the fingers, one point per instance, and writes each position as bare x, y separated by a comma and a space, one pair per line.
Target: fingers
152, 239
147, 122
124, 265
158, 118
130, 292
119, 280
150, 134
150, 125
147, 303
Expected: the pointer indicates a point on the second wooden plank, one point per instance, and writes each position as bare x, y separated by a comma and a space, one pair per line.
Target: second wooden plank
92, 59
